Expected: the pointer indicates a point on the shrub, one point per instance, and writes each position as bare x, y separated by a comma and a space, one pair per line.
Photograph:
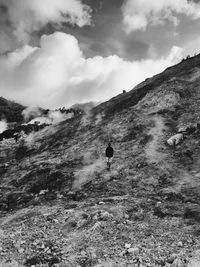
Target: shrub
21, 152
44, 179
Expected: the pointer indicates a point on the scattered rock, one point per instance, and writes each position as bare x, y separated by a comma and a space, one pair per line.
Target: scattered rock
180, 244
101, 203
127, 245
33, 261
171, 258
160, 262
192, 212
133, 251
177, 263
11, 263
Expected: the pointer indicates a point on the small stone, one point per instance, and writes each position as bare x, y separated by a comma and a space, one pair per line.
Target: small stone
126, 216
59, 196
122, 253
83, 253
159, 203
161, 262
177, 263
127, 245
21, 250
133, 251
180, 244
105, 216
42, 192
2, 233
12, 235
171, 258
12, 263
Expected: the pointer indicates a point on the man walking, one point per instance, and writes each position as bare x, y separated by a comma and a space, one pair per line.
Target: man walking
109, 155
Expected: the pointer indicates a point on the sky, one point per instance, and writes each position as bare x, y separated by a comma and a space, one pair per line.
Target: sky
56, 53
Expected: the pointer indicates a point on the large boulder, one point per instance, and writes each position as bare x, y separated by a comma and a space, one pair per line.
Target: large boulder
175, 139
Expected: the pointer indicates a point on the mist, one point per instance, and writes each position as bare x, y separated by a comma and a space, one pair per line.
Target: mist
53, 117
3, 126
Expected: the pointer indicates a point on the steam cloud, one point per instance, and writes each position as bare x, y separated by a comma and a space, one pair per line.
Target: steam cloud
53, 117
31, 112
3, 126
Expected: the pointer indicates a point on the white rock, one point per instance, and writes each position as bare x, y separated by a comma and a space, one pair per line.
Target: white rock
127, 245
21, 250
49, 251
2, 233
175, 139
133, 251
180, 244
13, 263
177, 263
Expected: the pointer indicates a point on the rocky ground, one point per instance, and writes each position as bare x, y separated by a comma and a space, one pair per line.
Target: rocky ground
61, 207
118, 231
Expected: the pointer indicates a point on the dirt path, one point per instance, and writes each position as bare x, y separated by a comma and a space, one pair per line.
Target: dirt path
152, 152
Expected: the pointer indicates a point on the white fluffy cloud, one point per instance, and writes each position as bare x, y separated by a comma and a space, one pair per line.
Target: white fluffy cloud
28, 16
138, 14
57, 73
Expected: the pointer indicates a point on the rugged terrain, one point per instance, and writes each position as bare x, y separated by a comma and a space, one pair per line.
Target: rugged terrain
61, 207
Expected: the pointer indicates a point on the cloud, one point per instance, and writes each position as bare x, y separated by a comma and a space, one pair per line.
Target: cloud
28, 16
57, 73
138, 14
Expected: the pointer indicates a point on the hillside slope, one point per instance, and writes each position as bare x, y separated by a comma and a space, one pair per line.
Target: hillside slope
10, 110
61, 206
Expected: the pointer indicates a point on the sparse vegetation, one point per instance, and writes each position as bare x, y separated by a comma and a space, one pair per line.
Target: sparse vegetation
21, 152
10, 110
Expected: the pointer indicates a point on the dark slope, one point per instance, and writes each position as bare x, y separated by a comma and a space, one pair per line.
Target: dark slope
10, 110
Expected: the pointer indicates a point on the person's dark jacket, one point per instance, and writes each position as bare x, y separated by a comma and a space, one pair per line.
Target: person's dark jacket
109, 152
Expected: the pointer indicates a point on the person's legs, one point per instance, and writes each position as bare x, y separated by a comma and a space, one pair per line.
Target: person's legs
174, 144
108, 166
109, 160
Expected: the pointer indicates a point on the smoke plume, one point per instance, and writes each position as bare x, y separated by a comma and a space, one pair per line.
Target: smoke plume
53, 117
31, 112
3, 126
